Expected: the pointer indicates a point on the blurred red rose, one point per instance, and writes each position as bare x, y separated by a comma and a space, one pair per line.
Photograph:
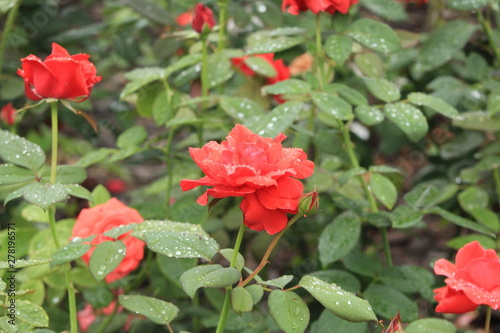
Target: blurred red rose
185, 18
60, 76
282, 71
316, 6
116, 185
8, 114
474, 279
88, 314
202, 16
101, 218
258, 169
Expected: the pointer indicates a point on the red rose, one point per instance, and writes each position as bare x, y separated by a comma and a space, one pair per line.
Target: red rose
282, 71
202, 16
316, 6
473, 280
60, 76
101, 218
116, 185
8, 114
185, 18
258, 169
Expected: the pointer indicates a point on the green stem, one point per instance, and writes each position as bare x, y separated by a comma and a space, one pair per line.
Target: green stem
55, 132
486, 24
223, 5
269, 250
227, 298
488, 320
52, 221
496, 177
320, 55
204, 85
9, 24
371, 199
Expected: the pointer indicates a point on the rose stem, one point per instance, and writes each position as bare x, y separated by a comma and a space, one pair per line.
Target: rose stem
204, 83
227, 299
486, 24
9, 24
373, 204
319, 52
223, 5
269, 250
488, 320
52, 219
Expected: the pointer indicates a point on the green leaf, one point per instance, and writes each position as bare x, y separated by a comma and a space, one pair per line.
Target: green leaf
241, 108
383, 89
384, 190
339, 48
256, 291
493, 106
186, 61
407, 278
375, 35
370, 64
387, 9
22, 263
68, 253
431, 325
44, 195
473, 197
477, 120
289, 87
94, 156
339, 238
459, 242
19, 151
342, 303
422, 196
274, 45
228, 254
409, 119
362, 263
133, 136
332, 105
351, 95
176, 239
369, 115
384, 169
261, 66
443, 44
120, 230
106, 257
156, 310
435, 103
241, 300
486, 217
327, 320
275, 122
388, 302
467, 4
31, 314
405, 217
461, 222
344, 178
208, 276
67, 174
280, 282
461, 145
100, 195
289, 311
219, 69
12, 174
341, 278
141, 77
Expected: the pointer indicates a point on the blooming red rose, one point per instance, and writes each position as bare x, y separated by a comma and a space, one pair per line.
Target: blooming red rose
282, 71
474, 279
202, 16
8, 114
60, 76
316, 6
101, 218
185, 18
256, 168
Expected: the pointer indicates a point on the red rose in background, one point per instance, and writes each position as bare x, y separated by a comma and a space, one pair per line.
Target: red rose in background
202, 16
474, 279
60, 76
316, 6
258, 169
101, 218
282, 71
185, 18
116, 185
8, 114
